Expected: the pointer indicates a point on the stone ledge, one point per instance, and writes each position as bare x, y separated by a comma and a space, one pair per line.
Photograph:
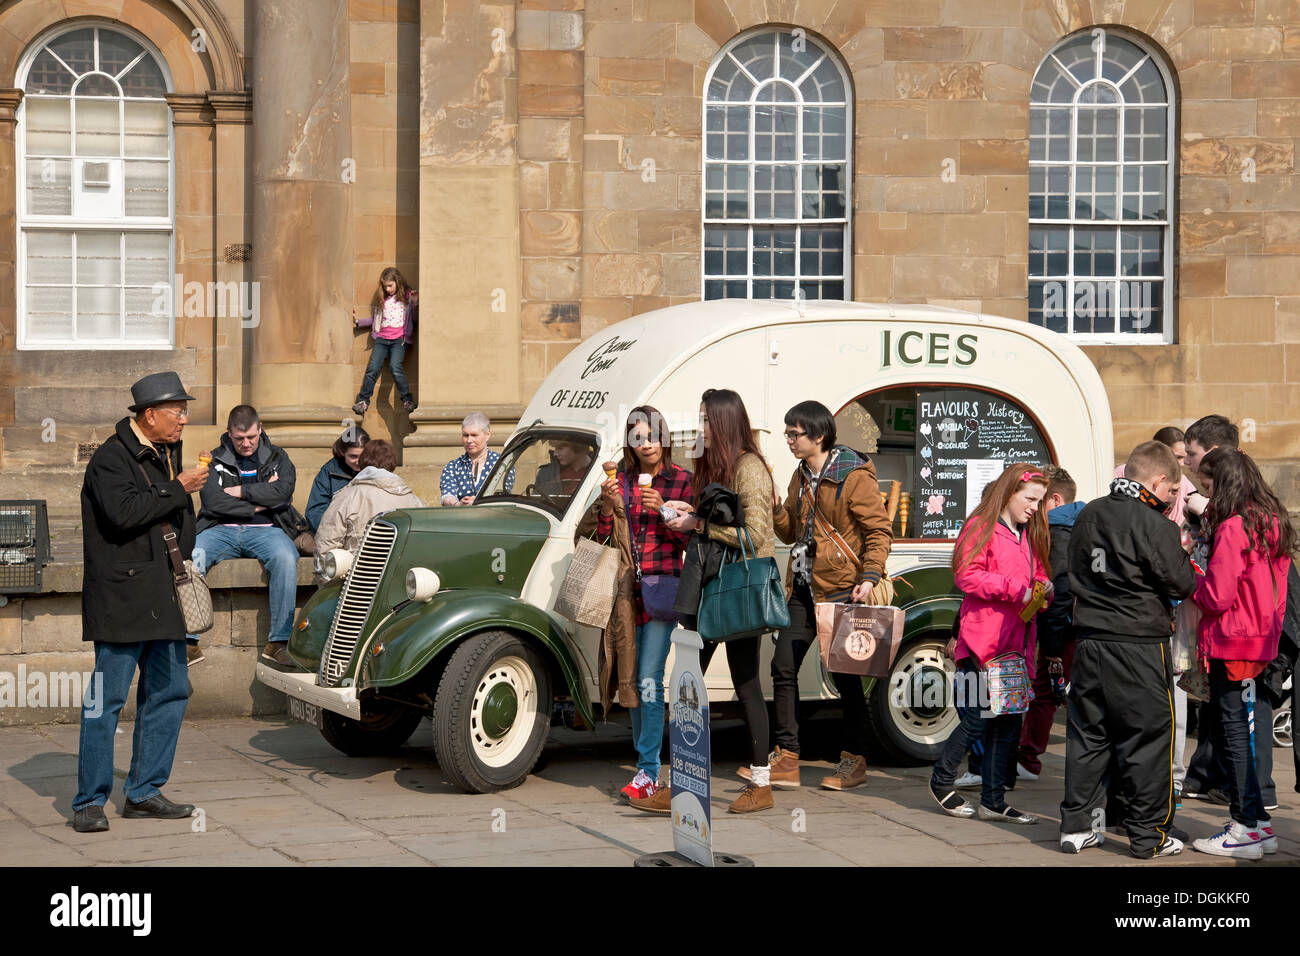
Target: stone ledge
66, 578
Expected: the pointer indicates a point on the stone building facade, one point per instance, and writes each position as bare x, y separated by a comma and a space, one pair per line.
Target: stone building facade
538, 169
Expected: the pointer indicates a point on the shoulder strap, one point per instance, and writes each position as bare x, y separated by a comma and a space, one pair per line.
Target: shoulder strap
169, 536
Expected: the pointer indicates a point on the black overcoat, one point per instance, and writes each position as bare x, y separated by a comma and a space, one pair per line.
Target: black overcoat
128, 593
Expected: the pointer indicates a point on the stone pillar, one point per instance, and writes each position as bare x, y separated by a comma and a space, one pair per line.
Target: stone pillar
301, 374
469, 222
233, 229
9, 100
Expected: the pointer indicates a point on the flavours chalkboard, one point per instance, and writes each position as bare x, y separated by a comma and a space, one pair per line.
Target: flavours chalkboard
964, 440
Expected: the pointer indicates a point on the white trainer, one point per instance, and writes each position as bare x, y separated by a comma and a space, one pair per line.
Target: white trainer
1235, 841
968, 781
1078, 842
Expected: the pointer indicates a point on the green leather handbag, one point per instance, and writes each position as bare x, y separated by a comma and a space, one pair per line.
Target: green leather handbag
745, 599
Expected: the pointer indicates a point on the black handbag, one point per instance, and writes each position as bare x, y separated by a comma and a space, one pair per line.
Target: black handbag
746, 598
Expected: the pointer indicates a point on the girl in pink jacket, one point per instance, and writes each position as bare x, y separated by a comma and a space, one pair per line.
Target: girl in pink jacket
1001, 551
1242, 597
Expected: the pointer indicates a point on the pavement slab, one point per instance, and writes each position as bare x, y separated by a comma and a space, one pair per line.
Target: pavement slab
274, 793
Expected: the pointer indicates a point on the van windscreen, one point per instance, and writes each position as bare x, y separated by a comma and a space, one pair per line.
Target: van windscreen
543, 468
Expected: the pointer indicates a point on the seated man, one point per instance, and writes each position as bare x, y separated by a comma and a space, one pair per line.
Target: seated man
249, 482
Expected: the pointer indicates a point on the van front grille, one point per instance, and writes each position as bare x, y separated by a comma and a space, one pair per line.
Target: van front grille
358, 597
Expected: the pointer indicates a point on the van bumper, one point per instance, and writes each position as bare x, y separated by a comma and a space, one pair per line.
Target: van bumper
302, 686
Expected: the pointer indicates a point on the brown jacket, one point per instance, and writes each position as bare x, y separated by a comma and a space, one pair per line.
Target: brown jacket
848, 500
617, 662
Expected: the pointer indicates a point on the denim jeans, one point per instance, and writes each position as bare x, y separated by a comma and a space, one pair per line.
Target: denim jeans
272, 548
393, 351
1234, 706
1000, 736
160, 699
653, 639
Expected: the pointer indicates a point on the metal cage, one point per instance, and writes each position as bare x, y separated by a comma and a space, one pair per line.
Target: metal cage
24, 545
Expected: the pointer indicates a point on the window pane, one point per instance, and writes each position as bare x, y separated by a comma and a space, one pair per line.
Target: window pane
773, 253
821, 251
99, 313
1140, 306
1098, 132
824, 133
1146, 85
116, 51
774, 132
1094, 306
147, 255
49, 257
1140, 252
145, 79
757, 54
766, 289
823, 192
1119, 58
1058, 192
96, 85
1144, 134
795, 64
145, 128
49, 313
146, 188
96, 127
77, 49
1094, 192
49, 187
1076, 56
725, 250
1094, 252
774, 192
144, 323
1049, 251
99, 258
48, 75
825, 84
48, 126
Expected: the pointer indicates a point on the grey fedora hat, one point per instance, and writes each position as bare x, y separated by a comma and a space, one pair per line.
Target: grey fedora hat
158, 388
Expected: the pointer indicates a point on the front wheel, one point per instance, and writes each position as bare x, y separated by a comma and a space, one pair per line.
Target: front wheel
384, 726
910, 712
492, 713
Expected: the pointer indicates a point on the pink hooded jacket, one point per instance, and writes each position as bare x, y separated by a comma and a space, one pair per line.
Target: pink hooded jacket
994, 586
1242, 603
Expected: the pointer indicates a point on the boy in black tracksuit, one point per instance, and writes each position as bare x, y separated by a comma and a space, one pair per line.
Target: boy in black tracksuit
1127, 567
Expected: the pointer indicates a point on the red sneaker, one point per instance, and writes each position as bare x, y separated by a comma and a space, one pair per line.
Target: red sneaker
642, 786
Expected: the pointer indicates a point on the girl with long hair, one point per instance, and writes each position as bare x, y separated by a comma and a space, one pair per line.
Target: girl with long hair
730, 456
636, 492
1242, 598
335, 474
393, 310
1001, 552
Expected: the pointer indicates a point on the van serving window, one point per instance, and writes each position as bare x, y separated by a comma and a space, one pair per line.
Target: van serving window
943, 444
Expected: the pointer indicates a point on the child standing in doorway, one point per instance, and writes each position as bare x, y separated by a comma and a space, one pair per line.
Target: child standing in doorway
392, 327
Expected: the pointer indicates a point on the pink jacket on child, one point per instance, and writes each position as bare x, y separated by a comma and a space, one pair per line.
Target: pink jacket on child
994, 586
1242, 598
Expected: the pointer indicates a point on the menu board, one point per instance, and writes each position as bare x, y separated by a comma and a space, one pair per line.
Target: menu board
965, 438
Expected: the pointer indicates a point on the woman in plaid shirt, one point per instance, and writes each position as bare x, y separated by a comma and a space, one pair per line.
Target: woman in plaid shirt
657, 551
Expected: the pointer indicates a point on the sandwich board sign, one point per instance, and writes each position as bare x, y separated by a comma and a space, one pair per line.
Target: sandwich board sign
688, 750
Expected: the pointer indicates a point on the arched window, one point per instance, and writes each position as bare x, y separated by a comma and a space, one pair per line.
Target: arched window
94, 194
1100, 191
777, 156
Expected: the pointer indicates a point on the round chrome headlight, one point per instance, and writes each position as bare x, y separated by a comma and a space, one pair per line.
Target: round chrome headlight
336, 563
421, 584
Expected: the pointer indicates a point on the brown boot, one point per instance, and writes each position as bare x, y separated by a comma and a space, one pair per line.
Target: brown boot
752, 799
658, 802
785, 769
851, 772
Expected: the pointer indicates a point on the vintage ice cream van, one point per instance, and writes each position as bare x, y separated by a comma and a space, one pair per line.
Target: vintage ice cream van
449, 613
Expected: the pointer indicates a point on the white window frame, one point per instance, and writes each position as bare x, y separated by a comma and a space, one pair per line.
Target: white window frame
1167, 276
29, 223
798, 163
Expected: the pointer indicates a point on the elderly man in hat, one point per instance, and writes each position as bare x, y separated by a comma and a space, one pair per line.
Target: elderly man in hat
134, 489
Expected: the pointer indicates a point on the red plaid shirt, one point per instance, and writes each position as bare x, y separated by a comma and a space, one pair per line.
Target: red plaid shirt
660, 548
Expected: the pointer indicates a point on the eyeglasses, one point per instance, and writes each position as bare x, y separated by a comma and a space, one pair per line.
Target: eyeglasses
175, 412
791, 436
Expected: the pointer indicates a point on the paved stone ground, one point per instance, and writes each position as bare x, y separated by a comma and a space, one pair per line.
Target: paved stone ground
273, 793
